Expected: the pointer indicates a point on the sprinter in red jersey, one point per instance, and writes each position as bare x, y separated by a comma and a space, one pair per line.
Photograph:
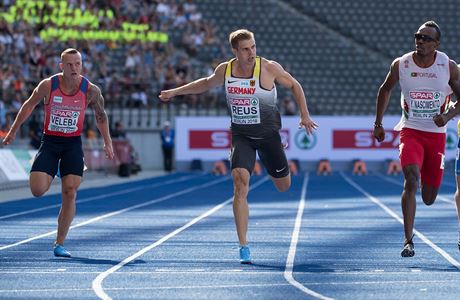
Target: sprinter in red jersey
66, 96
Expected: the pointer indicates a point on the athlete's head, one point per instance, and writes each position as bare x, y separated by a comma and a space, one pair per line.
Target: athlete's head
427, 38
71, 63
243, 44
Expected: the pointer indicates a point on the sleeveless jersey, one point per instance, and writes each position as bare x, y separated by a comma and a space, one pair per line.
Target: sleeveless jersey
64, 114
252, 108
425, 92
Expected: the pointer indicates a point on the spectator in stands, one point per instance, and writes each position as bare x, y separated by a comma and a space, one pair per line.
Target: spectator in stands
35, 133
167, 145
427, 78
256, 124
62, 130
119, 131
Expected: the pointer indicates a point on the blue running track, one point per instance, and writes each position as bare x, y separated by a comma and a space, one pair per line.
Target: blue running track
173, 237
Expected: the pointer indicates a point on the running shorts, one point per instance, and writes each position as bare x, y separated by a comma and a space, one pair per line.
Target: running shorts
425, 149
270, 150
67, 150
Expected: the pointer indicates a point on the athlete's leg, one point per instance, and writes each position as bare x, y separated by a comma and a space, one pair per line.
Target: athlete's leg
433, 166
39, 183
271, 153
282, 184
70, 184
241, 178
408, 205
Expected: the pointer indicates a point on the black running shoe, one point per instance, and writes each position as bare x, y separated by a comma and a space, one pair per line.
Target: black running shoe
408, 250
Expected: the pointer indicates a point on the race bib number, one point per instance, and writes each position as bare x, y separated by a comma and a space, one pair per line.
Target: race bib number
64, 121
245, 110
424, 104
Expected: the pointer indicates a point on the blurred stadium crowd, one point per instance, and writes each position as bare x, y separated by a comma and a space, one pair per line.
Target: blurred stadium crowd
339, 50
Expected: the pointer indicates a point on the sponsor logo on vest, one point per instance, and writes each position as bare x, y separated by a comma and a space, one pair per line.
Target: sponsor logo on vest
425, 75
422, 95
57, 99
241, 91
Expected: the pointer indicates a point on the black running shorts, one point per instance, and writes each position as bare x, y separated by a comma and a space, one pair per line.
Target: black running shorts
54, 148
270, 150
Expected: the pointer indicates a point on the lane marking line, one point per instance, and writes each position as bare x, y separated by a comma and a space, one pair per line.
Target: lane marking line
117, 212
389, 211
83, 200
97, 282
293, 247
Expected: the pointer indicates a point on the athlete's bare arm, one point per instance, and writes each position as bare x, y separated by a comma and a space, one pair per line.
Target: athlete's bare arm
39, 94
383, 97
96, 101
285, 79
198, 86
454, 83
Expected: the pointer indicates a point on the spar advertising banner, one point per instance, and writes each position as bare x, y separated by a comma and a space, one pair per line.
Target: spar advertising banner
337, 138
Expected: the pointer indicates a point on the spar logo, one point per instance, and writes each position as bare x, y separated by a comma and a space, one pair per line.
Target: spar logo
241, 102
423, 95
304, 141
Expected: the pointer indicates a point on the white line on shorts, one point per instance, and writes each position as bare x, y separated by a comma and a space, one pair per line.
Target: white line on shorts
114, 213
97, 282
83, 200
389, 211
293, 247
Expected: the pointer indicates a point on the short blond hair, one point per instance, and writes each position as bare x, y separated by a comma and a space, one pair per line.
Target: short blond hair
69, 51
239, 35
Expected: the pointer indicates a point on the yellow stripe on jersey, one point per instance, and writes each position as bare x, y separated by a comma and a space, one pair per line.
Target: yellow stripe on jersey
228, 70
458, 127
256, 74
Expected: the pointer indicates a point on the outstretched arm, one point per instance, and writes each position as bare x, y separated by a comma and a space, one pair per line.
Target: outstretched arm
454, 83
285, 79
96, 101
383, 97
38, 95
198, 86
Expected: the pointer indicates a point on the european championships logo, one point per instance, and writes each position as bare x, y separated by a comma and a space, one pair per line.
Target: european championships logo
304, 141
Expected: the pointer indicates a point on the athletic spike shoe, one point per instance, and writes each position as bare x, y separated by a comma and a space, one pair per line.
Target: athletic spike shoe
459, 241
60, 251
408, 250
245, 255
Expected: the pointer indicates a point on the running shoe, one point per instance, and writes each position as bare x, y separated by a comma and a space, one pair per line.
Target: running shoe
245, 255
408, 250
60, 251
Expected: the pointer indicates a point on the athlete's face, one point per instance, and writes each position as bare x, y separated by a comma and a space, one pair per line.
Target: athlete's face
246, 51
71, 65
426, 41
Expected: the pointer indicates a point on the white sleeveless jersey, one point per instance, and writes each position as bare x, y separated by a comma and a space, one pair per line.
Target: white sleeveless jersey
425, 92
252, 108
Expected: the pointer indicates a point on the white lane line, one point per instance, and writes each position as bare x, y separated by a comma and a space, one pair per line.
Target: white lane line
97, 282
181, 287
397, 182
443, 253
114, 213
237, 286
293, 247
83, 200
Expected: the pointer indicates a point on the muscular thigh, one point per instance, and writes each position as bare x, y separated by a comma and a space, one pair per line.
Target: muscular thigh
433, 162
243, 153
271, 153
72, 159
47, 158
